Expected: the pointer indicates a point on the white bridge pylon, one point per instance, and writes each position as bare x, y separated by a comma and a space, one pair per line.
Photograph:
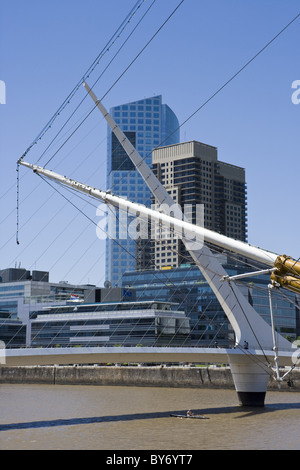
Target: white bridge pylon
242, 316
251, 371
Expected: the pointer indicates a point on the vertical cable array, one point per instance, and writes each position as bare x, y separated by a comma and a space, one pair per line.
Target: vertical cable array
18, 202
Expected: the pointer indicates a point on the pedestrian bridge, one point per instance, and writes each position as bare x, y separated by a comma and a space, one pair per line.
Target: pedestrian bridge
100, 355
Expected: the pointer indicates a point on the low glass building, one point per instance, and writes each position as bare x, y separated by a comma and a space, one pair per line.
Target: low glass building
208, 323
22, 292
143, 323
12, 331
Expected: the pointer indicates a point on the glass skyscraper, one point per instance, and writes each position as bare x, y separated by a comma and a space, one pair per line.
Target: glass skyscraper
148, 124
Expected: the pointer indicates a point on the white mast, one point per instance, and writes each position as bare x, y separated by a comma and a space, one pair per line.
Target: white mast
163, 197
240, 313
186, 229
250, 378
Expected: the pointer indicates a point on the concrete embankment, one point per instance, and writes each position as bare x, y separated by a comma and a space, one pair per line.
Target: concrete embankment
176, 376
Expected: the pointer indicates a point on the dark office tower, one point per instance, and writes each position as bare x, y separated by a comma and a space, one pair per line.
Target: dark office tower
192, 174
147, 123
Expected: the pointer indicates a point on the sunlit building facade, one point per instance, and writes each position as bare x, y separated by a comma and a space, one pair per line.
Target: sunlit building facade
211, 193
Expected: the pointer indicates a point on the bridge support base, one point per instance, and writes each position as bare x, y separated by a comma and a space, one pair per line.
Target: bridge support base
251, 398
250, 380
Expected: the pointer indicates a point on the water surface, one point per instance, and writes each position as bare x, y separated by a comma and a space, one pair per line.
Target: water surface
83, 417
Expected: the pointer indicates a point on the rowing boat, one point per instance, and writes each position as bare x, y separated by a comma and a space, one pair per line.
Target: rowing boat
190, 416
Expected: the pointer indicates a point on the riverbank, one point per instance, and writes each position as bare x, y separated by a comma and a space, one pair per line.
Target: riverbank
150, 376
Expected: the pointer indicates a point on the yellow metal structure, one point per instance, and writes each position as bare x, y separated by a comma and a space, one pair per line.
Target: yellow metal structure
287, 274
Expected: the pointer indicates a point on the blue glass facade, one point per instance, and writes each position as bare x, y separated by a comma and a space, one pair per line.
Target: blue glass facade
148, 124
209, 325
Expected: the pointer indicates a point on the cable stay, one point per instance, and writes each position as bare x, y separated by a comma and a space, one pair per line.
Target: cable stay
240, 313
276, 376
250, 378
92, 67
189, 231
271, 286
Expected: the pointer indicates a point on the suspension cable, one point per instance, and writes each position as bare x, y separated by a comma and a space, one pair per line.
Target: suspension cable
105, 49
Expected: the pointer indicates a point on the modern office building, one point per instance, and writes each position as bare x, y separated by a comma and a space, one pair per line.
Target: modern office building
12, 332
35, 313
187, 287
131, 323
22, 292
147, 123
209, 192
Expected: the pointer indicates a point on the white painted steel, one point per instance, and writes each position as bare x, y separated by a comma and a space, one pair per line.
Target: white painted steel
163, 197
248, 375
186, 228
240, 313
150, 179
96, 355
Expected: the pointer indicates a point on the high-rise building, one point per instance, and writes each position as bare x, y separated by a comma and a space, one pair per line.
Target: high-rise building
148, 124
192, 174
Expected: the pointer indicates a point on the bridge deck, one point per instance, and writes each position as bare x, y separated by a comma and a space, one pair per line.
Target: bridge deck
100, 355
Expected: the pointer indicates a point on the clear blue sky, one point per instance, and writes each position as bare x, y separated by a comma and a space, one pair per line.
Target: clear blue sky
46, 47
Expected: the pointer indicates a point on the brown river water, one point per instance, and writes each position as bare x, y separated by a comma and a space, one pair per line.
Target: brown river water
67, 417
